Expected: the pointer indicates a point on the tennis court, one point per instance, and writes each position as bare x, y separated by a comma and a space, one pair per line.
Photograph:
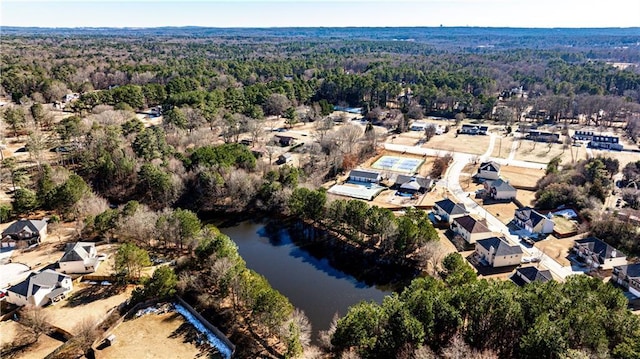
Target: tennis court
398, 164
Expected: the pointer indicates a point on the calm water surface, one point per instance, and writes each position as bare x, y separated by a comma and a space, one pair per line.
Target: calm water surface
309, 281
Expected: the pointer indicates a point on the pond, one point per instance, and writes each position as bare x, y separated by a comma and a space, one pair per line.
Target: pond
312, 276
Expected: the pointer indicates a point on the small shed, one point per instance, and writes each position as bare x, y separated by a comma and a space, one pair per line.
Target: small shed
110, 340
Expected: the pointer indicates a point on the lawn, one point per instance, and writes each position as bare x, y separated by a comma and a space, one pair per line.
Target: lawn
557, 249
521, 177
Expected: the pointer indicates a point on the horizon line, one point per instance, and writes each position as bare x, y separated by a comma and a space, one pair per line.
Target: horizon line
310, 27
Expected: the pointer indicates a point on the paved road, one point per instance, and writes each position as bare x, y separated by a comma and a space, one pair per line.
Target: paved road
452, 181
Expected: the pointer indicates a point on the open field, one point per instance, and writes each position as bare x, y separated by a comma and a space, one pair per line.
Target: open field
452, 142
557, 249
502, 211
521, 177
502, 147
151, 336
86, 301
623, 156
540, 152
527, 198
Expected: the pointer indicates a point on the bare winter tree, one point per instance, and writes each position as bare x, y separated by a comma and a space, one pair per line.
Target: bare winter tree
322, 127
36, 320
348, 136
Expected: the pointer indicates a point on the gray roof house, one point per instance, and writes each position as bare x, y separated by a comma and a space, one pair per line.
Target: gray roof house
628, 276
526, 275
447, 210
489, 170
412, 184
80, 257
362, 175
500, 189
599, 254
24, 232
532, 221
39, 289
498, 252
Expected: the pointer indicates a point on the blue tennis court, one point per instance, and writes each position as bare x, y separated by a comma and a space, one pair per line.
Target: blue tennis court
398, 164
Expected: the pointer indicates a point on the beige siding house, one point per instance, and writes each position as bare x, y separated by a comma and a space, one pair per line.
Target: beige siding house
497, 252
470, 228
447, 210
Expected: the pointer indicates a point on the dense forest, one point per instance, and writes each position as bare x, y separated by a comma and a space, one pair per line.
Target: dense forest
120, 179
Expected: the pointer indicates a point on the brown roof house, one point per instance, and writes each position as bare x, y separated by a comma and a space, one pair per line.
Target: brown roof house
24, 233
470, 228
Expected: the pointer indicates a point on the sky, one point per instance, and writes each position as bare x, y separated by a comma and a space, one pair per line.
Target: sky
327, 13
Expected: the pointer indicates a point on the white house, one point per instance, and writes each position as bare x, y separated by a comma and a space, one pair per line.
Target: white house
470, 229
362, 175
489, 170
79, 258
532, 221
628, 276
40, 288
24, 233
497, 252
500, 189
447, 210
599, 254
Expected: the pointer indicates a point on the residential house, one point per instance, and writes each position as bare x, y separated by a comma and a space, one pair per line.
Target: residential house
606, 142
473, 130
582, 136
628, 276
500, 189
285, 158
526, 275
540, 136
489, 170
412, 184
40, 289
447, 210
597, 253
532, 221
24, 233
285, 140
362, 175
470, 228
497, 252
79, 257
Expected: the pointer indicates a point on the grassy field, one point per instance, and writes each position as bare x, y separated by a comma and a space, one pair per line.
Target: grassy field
502, 147
451, 142
521, 177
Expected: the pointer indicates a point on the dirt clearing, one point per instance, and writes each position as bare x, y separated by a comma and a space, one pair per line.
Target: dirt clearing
151, 336
558, 249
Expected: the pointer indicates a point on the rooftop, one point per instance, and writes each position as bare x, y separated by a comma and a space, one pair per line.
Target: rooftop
500, 245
